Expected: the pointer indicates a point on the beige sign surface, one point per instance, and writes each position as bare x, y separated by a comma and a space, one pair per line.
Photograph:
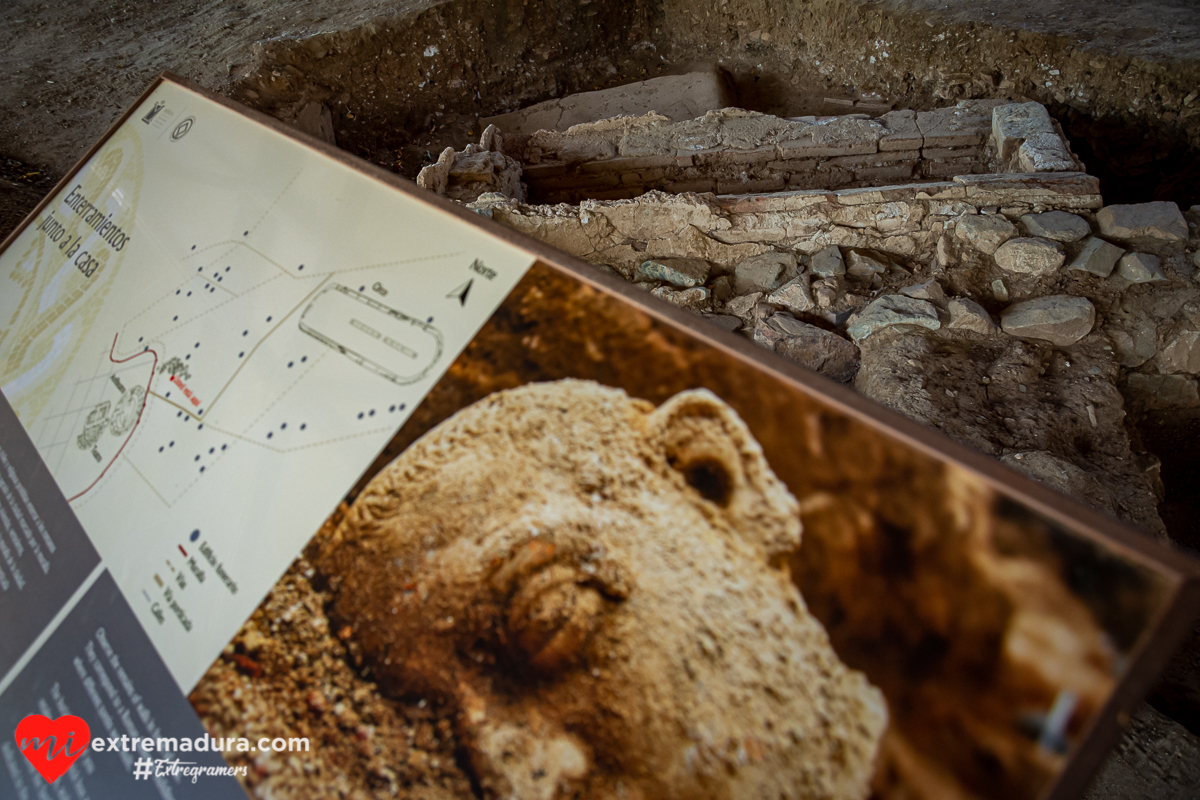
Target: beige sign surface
209, 333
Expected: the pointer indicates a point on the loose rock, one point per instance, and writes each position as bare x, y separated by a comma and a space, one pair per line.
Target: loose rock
892, 309
1029, 256
861, 264
999, 290
1097, 257
828, 262
810, 346
722, 289
1182, 354
763, 272
1140, 268
985, 232
1163, 391
1135, 345
794, 296
1059, 319
1060, 226
696, 298
682, 272
822, 351
966, 314
1159, 220
930, 290
742, 307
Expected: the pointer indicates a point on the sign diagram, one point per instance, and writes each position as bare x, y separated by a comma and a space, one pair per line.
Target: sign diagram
391, 344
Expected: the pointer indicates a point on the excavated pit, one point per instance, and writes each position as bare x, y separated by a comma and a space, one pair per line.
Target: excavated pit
399, 93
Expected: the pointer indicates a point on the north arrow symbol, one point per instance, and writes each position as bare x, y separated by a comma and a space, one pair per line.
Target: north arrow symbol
462, 291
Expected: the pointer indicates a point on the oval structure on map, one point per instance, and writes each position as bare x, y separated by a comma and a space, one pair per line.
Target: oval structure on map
387, 342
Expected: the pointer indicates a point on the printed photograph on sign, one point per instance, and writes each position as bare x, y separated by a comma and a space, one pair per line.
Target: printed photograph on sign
603, 557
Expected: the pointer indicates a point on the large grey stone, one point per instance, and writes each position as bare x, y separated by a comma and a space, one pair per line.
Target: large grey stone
1061, 226
1140, 268
1030, 256
1163, 391
984, 232
1044, 152
828, 262
763, 272
964, 124
794, 295
813, 347
1013, 124
1059, 319
966, 314
1159, 220
681, 272
892, 309
1097, 257
903, 133
1181, 354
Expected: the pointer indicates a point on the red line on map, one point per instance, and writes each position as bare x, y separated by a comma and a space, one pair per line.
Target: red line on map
141, 410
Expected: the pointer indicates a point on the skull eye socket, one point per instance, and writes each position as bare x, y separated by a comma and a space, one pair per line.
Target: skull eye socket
710, 478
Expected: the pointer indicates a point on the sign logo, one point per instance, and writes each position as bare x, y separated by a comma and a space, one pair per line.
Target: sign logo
153, 112
182, 128
47, 743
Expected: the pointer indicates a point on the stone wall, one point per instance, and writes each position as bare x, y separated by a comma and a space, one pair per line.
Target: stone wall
731, 151
906, 221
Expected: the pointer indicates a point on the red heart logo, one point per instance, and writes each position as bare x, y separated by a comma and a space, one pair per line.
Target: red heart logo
47, 743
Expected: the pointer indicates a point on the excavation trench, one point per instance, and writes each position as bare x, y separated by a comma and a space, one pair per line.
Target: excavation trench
396, 94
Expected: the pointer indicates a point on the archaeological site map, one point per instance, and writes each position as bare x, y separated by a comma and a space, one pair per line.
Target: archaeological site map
249, 326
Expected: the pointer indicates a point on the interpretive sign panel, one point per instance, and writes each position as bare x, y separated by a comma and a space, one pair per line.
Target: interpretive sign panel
403, 503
